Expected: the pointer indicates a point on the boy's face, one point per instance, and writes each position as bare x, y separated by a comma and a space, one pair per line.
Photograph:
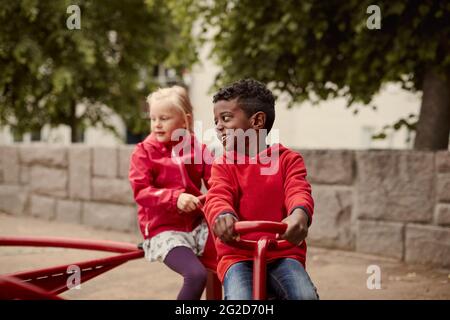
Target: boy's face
229, 116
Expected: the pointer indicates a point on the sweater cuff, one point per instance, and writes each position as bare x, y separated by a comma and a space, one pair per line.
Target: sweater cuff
306, 212
226, 214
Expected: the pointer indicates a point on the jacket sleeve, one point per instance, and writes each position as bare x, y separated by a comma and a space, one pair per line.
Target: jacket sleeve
141, 180
222, 194
297, 188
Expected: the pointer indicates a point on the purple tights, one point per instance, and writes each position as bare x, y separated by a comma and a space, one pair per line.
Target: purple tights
183, 261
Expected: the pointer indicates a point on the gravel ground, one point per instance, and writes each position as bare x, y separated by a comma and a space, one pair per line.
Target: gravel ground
336, 274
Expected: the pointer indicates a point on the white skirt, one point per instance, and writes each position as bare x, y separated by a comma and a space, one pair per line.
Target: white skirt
157, 247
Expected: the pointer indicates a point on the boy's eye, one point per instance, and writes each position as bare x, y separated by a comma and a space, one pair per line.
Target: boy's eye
226, 118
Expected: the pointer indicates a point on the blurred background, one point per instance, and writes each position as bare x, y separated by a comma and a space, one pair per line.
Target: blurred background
347, 75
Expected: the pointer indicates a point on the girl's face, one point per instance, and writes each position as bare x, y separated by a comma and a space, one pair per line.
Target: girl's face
165, 118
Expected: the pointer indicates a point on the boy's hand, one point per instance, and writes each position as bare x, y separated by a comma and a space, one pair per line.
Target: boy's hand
224, 228
187, 202
297, 227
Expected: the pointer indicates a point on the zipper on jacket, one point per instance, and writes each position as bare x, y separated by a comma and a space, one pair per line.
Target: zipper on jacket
183, 178
146, 229
178, 161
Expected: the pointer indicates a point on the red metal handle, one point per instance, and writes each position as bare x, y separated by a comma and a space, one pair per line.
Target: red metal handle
245, 227
202, 198
260, 249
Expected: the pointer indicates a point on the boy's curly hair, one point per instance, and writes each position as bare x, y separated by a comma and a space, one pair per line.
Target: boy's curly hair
252, 96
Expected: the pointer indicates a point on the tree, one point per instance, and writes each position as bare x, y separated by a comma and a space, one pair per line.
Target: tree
319, 50
48, 69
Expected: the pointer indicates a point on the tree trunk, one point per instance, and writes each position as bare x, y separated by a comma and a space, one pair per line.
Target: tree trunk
433, 127
73, 123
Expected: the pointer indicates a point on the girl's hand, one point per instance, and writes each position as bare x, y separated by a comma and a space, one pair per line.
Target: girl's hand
187, 202
297, 227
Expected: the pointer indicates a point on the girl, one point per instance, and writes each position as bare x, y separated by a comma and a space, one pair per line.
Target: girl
166, 189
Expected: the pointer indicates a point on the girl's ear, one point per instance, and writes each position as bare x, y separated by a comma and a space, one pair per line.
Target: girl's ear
259, 120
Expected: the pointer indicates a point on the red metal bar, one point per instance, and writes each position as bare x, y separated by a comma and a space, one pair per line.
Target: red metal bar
260, 248
202, 198
245, 227
259, 270
13, 288
73, 243
213, 286
54, 279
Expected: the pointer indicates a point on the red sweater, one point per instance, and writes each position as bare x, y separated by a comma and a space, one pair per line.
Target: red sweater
241, 189
157, 181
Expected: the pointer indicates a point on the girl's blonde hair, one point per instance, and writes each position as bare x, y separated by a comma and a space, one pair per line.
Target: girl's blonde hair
176, 96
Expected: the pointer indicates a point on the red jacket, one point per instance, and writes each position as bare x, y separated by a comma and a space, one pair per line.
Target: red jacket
157, 181
241, 189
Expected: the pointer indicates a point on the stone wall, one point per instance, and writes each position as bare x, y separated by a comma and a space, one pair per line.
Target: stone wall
385, 202
78, 184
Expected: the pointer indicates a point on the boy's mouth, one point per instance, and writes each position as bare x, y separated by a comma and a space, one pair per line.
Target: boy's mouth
223, 138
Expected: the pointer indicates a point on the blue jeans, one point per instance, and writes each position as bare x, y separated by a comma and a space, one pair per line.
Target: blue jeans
286, 280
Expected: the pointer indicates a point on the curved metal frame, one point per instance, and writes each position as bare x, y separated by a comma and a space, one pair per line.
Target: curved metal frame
47, 283
260, 249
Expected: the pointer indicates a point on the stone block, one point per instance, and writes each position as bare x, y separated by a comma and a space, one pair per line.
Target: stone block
442, 214
112, 190
124, 160
105, 162
42, 207
48, 181
68, 211
329, 166
380, 238
443, 187
13, 199
428, 245
109, 216
24, 175
443, 161
331, 225
80, 172
9, 158
43, 154
395, 185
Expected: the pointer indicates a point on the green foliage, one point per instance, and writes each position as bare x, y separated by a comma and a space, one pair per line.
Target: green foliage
318, 50
46, 69
409, 123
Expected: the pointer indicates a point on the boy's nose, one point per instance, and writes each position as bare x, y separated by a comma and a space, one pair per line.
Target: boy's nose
219, 127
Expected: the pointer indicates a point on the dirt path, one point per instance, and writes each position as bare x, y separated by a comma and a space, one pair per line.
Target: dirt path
336, 274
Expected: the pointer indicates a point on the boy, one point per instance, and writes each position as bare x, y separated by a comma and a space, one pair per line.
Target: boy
240, 191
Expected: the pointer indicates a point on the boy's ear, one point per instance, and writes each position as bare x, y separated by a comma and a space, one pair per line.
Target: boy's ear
258, 120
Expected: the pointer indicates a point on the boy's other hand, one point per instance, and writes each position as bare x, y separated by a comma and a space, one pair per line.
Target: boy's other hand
224, 228
187, 202
297, 227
